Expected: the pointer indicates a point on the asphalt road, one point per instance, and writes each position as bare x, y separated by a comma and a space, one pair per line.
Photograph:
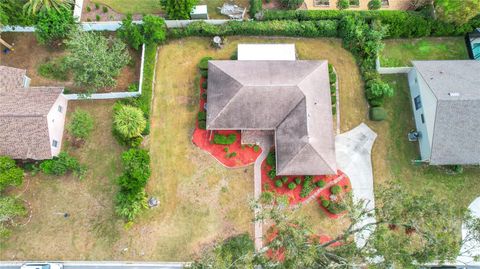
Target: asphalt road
103, 265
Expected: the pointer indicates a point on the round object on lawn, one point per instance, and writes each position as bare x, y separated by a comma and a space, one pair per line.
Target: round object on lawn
152, 202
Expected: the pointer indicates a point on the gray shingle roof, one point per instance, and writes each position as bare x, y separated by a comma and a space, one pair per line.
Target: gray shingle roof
290, 97
456, 133
23, 119
11, 78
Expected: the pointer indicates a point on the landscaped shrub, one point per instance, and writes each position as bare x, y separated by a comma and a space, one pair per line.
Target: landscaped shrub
81, 124
89, 9
130, 33
97, 17
298, 181
204, 96
204, 84
291, 4
333, 89
136, 163
271, 159
56, 69
307, 188
204, 73
325, 203
128, 122
153, 29
256, 148
255, 7
278, 183
97, 5
334, 99
377, 90
267, 197
374, 4
336, 208
272, 173
10, 174
335, 189
224, 140
105, 9
343, 4
130, 204
202, 116
61, 165
203, 64
377, 113
53, 26
292, 185
321, 183
284, 179
202, 125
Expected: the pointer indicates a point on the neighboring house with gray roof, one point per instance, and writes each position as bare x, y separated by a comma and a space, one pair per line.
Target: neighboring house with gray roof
291, 98
446, 104
11, 78
31, 119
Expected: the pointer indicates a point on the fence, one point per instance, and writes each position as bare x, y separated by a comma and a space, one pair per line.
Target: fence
391, 70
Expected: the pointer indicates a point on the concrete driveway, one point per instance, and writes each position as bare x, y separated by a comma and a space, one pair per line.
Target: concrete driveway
353, 149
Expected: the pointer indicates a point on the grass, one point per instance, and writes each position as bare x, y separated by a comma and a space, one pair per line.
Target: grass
133, 7
400, 52
214, 5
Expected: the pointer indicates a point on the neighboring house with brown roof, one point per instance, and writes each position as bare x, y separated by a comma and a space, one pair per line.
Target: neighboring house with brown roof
362, 4
31, 119
445, 98
291, 98
11, 78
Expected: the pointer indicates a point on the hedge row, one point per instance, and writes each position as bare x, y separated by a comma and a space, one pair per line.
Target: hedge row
255, 7
400, 23
323, 28
145, 100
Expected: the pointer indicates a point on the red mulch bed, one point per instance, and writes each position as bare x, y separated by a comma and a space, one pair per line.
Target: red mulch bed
245, 155
294, 195
325, 195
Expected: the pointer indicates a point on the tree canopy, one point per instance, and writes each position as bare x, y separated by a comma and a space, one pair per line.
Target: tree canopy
10, 174
34, 6
53, 26
178, 9
456, 12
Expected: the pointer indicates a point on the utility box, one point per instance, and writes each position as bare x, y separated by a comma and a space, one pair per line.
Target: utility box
199, 12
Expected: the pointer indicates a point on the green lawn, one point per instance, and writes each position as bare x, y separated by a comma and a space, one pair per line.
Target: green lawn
400, 52
133, 7
214, 5
460, 189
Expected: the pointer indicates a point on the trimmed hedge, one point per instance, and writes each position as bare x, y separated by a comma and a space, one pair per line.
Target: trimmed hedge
224, 140
203, 64
255, 7
377, 113
322, 28
144, 102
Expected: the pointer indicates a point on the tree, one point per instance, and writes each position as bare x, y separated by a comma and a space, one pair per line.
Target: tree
456, 12
416, 4
53, 26
178, 9
374, 4
11, 13
130, 33
10, 174
10, 208
343, 4
409, 229
129, 122
81, 124
154, 29
95, 60
34, 6
377, 90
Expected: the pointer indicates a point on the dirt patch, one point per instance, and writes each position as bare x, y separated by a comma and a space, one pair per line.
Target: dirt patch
91, 13
29, 55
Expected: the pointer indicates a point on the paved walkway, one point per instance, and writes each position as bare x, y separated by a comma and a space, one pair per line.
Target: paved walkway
265, 142
472, 248
353, 150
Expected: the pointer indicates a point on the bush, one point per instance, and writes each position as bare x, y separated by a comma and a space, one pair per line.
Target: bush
81, 124
334, 99
256, 148
321, 183
298, 181
272, 173
202, 116
278, 183
374, 4
89, 9
333, 89
224, 140
154, 29
335, 189
291, 4
10, 174
307, 188
56, 69
377, 114
325, 203
204, 96
271, 159
377, 91
267, 197
336, 208
61, 165
128, 122
130, 204
204, 73
136, 164
53, 26
97, 17
97, 5
292, 185
130, 33
255, 7
343, 4
105, 9
203, 64
333, 77
202, 125
284, 179
204, 84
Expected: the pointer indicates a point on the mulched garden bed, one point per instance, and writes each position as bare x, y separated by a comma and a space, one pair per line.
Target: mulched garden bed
233, 155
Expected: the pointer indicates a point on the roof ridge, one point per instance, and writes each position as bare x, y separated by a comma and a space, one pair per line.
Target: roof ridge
290, 160
321, 62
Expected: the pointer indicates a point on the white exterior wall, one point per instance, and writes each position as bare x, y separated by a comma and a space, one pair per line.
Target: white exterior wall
418, 87
56, 123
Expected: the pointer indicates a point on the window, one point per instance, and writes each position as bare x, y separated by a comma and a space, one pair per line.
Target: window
54, 143
322, 2
423, 118
385, 3
418, 102
355, 3
60, 109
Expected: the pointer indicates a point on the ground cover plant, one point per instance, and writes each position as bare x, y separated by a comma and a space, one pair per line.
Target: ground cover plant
400, 52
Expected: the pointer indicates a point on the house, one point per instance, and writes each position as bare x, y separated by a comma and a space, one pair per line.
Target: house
473, 44
290, 98
357, 4
445, 99
31, 118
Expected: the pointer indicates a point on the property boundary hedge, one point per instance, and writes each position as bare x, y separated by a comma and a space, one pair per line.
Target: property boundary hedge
145, 100
322, 28
400, 23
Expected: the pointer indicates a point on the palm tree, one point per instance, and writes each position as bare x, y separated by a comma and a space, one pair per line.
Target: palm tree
34, 6
129, 121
